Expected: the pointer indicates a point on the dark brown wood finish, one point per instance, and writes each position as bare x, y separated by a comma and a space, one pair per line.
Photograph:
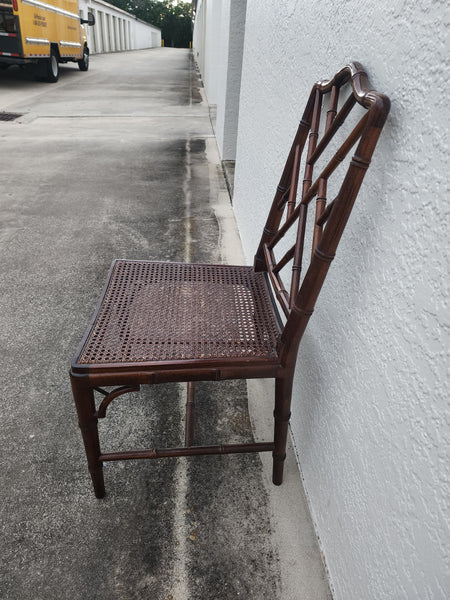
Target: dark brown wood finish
172, 322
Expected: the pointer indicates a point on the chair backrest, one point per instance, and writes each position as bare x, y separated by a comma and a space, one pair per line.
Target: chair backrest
324, 139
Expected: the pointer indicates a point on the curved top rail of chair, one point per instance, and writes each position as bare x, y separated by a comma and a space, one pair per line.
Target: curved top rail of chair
355, 74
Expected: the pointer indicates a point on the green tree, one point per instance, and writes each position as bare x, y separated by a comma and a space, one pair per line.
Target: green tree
174, 20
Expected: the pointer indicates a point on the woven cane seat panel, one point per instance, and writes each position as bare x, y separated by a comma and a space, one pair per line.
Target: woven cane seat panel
155, 311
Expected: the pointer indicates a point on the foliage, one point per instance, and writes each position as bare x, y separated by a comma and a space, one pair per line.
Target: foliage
174, 20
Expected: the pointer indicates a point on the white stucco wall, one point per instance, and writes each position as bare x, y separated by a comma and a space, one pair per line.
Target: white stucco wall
371, 406
232, 45
116, 30
222, 72
371, 403
208, 40
218, 43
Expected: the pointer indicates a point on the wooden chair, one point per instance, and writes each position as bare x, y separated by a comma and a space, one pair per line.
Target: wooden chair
173, 322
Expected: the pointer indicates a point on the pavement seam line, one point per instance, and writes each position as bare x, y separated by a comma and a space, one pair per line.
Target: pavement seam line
187, 194
180, 588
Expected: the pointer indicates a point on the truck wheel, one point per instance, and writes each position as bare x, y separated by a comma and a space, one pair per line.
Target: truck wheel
83, 64
52, 68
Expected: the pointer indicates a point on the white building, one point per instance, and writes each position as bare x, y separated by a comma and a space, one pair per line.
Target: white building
371, 413
116, 30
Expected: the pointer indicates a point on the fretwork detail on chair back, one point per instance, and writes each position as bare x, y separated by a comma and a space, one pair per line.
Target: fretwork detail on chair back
317, 137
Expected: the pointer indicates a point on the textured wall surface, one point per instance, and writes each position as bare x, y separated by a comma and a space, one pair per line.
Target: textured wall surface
210, 44
218, 42
232, 44
371, 414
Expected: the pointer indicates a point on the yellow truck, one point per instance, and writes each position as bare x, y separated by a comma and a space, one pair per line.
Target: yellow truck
44, 33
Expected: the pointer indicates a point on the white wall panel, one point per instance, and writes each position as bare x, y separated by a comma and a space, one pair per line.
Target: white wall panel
371, 403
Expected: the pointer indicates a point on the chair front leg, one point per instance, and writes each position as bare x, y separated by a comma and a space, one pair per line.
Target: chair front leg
282, 414
87, 420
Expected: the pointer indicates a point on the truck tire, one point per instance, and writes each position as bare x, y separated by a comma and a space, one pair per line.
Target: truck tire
83, 64
52, 68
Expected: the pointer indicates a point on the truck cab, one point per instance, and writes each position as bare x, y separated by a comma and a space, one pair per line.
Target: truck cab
44, 34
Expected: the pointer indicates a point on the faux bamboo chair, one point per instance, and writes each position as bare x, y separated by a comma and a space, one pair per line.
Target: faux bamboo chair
173, 322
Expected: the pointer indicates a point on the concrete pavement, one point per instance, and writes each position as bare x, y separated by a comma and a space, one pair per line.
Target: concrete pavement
121, 162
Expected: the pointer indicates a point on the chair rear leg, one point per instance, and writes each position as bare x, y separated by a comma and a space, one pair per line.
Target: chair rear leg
87, 420
282, 414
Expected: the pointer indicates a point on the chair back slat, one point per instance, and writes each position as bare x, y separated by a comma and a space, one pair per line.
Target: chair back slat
293, 187
312, 143
309, 193
298, 253
321, 200
339, 176
277, 284
337, 122
336, 160
285, 259
302, 215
